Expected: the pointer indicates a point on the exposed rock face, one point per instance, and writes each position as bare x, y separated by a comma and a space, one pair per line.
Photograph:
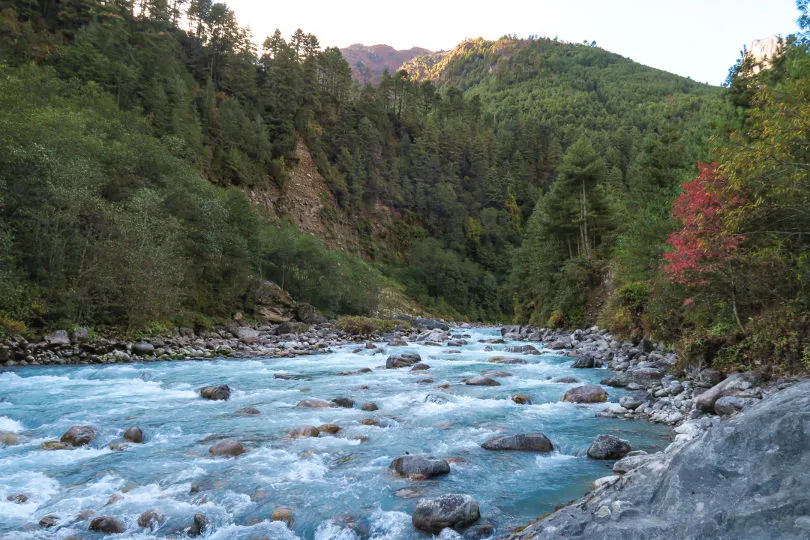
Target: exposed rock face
737, 384
273, 303
227, 447
420, 467
79, 436
402, 360
106, 525
369, 62
134, 434
529, 442
588, 393
745, 477
222, 392
453, 511
608, 447
763, 50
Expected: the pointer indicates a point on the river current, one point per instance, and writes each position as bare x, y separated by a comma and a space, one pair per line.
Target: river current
338, 486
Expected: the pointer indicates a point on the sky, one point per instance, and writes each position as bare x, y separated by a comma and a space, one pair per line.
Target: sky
700, 39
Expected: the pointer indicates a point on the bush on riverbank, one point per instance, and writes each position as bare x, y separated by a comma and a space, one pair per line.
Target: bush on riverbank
367, 326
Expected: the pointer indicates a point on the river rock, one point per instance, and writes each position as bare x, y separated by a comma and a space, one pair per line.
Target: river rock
369, 406
17, 498
370, 422
331, 429
344, 402
284, 514
227, 447
745, 477
608, 447
273, 303
106, 525
249, 411
584, 361
529, 442
728, 405
480, 380
143, 348
588, 393
402, 360
631, 401
304, 431
454, 511
79, 436
522, 399
736, 384
314, 404
629, 463
504, 360
56, 445
199, 525
420, 467
149, 520
59, 338
48, 521
420, 367
523, 349
438, 399
8, 438
221, 392
134, 434
397, 342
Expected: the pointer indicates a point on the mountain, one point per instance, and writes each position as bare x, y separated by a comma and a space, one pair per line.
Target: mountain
368, 63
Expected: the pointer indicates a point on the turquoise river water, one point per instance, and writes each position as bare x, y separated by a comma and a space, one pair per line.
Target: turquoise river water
338, 486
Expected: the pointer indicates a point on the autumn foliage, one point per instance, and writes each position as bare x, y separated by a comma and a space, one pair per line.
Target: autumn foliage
703, 245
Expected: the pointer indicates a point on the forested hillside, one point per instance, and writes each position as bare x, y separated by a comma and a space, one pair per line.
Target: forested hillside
528, 180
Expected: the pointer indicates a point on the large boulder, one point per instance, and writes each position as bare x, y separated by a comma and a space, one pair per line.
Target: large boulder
283, 514
522, 399
59, 338
149, 520
420, 467
345, 402
584, 361
401, 360
106, 525
608, 447
142, 348
303, 431
199, 525
314, 404
728, 405
589, 393
273, 304
134, 434
454, 511
480, 380
737, 384
79, 436
523, 349
528, 442
221, 392
369, 406
227, 447
245, 334
745, 477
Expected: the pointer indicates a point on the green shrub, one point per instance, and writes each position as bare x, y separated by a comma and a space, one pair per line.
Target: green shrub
367, 326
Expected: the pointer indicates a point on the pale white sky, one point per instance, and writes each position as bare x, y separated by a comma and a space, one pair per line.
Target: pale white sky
697, 38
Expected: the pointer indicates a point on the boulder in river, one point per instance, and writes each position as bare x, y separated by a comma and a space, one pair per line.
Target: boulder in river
522, 399
420, 367
303, 431
344, 402
369, 406
79, 436
134, 434
523, 349
505, 360
608, 447
48, 521
584, 361
420, 466
454, 511
56, 445
8, 438
314, 404
17, 498
589, 393
199, 525
528, 442
221, 392
149, 520
401, 360
480, 380
329, 428
249, 411
397, 342
227, 447
284, 514
106, 525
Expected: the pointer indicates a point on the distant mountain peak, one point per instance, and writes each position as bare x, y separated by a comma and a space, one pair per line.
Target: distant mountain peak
369, 62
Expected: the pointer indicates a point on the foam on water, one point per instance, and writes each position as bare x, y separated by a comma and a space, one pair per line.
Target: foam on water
339, 486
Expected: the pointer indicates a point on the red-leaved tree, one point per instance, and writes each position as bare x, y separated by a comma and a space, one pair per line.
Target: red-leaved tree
703, 250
